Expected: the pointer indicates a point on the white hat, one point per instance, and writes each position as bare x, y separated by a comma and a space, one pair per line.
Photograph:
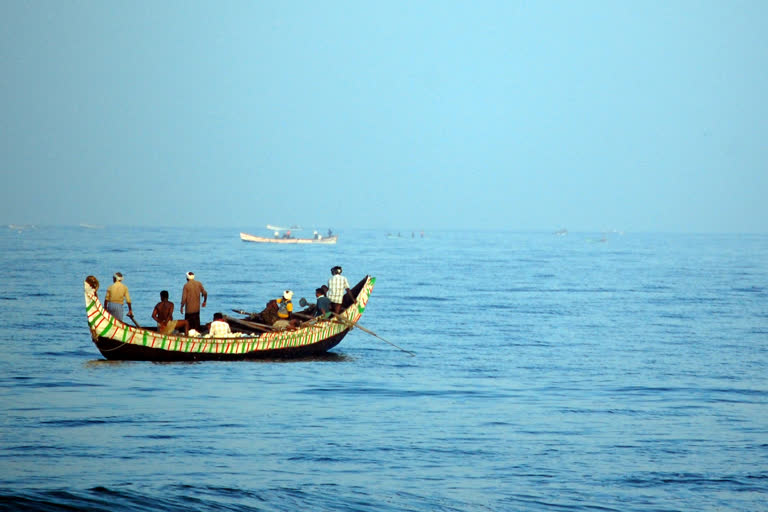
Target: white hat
287, 294
118, 276
190, 275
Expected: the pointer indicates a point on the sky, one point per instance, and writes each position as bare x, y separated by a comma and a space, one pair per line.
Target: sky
512, 115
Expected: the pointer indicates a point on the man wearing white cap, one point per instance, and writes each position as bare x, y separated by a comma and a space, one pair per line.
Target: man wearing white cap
116, 294
284, 310
190, 299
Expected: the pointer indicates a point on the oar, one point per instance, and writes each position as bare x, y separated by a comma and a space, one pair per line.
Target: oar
354, 324
134, 320
252, 325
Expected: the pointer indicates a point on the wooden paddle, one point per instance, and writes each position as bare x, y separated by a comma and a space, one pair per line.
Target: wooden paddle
130, 315
251, 325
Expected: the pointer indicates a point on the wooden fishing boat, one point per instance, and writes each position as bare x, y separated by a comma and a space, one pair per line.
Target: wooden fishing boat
119, 341
245, 237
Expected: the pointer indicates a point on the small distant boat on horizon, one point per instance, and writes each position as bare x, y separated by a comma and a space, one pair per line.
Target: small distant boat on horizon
21, 228
286, 237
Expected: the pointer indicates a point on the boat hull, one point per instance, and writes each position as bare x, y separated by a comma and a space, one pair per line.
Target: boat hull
117, 351
245, 237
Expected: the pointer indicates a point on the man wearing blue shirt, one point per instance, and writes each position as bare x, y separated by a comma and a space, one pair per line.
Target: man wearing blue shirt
323, 305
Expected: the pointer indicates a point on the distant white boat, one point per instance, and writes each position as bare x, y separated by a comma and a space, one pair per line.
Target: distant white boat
245, 237
91, 226
21, 227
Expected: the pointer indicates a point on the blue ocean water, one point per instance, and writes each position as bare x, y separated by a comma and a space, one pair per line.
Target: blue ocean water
562, 373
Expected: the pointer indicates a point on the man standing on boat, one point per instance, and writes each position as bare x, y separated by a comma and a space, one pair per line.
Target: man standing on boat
116, 294
190, 299
337, 287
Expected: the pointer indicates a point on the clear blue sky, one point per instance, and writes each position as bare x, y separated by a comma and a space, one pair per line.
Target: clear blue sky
639, 116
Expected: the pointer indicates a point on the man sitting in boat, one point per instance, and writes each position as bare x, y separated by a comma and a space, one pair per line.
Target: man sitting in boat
323, 304
163, 315
219, 327
284, 310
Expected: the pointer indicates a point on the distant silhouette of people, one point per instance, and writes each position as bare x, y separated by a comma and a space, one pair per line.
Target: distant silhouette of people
163, 315
116, 294
190, 299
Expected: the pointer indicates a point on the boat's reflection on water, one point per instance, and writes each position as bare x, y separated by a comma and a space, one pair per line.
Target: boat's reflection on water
326, 357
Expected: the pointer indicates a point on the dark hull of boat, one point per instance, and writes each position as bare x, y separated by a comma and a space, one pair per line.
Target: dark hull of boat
117, 351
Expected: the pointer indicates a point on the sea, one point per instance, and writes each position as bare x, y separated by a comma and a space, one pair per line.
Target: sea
498, 371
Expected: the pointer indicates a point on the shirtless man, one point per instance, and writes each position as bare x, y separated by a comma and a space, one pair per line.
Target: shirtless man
163, 315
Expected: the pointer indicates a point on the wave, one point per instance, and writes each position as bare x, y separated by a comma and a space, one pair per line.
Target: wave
188, 498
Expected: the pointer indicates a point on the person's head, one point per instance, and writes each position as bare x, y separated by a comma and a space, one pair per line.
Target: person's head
287, 294
190, 276
319, 292
324, 288
336, 270
117, 277
164, 295
218, 316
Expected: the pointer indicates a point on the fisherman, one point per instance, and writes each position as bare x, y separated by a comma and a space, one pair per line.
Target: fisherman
219, 327
338, 286
323, 304
116, 294
163, 315
284, 310
190, 298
